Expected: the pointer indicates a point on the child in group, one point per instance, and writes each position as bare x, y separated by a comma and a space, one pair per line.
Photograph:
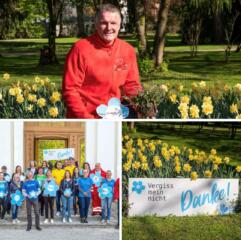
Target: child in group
84, 186
15, 185
3, 195
76, 177
106, 202
49, 193
31, 190
58, 175
40, 177
67, 189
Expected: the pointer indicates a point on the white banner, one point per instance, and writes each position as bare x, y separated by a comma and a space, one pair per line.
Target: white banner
58, 154
182, 196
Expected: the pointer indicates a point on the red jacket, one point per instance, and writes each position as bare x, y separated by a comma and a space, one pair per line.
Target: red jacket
95, 72
117, 189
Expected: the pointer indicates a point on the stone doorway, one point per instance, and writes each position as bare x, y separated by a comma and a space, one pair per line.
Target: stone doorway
69, 134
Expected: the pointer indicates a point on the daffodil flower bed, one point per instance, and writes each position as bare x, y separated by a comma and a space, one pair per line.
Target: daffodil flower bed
154, 159
173, 101
40, 99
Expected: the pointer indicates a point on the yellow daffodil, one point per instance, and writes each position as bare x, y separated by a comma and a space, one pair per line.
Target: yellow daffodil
238, 169
233, 108
187, 167
183, 108
208, 174
202, 84
207, 108
127, 166
6, 76
53, 112
194, 111
56, 96
237, 88
30, 108
144, 166
164, 88
185, 99
41, 102
20, 98
194, 175
136, 165
173, 98
32, 98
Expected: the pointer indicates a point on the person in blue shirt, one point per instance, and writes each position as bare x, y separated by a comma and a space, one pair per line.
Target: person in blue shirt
76, 176
15, 185
31, 190
3, 195
84, 186
67, 190
49, 193
106, 202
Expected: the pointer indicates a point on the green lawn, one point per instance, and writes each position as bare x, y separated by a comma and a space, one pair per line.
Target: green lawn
182, 228
189, 136
20, 59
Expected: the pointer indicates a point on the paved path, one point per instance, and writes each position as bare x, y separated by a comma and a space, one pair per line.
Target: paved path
61, 234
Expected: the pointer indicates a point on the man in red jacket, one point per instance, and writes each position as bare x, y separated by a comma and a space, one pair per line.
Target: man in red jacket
96, 202
100, 67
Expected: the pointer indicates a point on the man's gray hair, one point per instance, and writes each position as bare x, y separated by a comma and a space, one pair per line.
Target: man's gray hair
106, 8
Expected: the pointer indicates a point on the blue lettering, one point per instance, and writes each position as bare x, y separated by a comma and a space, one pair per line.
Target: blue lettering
190, 200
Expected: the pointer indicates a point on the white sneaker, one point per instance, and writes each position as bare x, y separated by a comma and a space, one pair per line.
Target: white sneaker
14, 221
70, 220
103, 221
46, 220
52, 221
58, 214
18, 221
108, 222
64, 220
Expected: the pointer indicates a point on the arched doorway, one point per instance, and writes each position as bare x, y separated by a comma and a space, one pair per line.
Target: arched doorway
38, 135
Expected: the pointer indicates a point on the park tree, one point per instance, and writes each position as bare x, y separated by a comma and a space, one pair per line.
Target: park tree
8, 17
159, 41
140, 20
48, 55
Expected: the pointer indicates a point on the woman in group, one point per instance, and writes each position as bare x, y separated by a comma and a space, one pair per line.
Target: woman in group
106, 202
3, 195
49, 193
45, 167
86, 166
67, 190
40, 177
84, 186
15, 185
32, 168
76, 176
19, 171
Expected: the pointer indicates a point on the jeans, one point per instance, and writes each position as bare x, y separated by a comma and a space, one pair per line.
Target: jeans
106, 206
58, 197
84, 203
29, 204
14, 212
67, 205
3, 205
49, 204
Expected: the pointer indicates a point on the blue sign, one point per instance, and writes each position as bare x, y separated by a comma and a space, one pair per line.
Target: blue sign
17, 198
50, 189
67, 192
105, 191
96, 178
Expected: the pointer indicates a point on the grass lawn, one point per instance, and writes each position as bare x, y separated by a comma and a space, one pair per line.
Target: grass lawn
20, 59
182, 228
189, 136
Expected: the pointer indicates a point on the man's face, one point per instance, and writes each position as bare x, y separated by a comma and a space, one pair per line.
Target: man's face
108, 26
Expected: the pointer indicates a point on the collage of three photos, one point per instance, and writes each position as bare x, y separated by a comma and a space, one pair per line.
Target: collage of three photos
120, 119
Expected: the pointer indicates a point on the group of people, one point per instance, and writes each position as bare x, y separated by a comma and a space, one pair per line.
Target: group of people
66, 186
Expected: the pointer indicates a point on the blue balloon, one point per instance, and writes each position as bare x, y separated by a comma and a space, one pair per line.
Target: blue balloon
114, 102
125, 111
101, 110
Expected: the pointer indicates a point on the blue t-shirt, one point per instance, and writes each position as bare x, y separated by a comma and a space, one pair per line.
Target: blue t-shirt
110, 183
3, 188
31, 186
85, 185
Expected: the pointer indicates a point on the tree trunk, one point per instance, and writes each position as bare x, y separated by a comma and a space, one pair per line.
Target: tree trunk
141, 25
80, 18
159, 42
61, 34
48, 55
218, 29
